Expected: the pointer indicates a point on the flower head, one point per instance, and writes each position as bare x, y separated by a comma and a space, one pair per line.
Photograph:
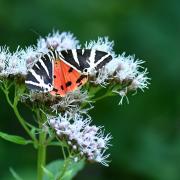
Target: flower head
58, 41
12, 63
102, 44
124, 67
4, 55
86, 139
72, 102
101, 78
30, 55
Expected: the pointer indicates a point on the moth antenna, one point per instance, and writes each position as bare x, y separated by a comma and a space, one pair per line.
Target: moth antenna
35, 32
51, 48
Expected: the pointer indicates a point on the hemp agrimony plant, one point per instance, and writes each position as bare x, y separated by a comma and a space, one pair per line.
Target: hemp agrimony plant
65, 122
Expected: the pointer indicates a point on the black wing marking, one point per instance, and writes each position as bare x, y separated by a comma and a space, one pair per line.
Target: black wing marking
40, 76
89, 59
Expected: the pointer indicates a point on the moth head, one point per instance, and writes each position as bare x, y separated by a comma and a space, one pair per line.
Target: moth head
85, 71
89, 71
47, 88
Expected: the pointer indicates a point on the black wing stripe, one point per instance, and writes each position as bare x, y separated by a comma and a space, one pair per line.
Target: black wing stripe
79, 61
34, 87
83, 58
69, 58
39, 82
40, 77
42, 73
44, 66
31, 77
103, 62
52, 55
49, 64
99, 55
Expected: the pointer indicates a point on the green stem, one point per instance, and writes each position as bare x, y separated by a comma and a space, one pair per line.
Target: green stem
41, 160
63, 151
19, 117
94, 90
65, 166
23, 124
42, 145
7, 97
108, 94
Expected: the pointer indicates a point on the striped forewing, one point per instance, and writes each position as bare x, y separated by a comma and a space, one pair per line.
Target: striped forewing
40, 76
89, 59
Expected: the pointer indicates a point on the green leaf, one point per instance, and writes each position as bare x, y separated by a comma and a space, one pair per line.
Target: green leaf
54, 170
14, 139
14, 174
48, 173
73, 169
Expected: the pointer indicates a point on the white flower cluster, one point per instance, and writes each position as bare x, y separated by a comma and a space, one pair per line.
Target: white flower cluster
87, 140
126, 70
120, 67
22, 59
58, 41
72, 102
30, 56
12, 63
102, 44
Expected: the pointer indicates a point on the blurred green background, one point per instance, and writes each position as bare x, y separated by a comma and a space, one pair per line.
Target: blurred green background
146, 144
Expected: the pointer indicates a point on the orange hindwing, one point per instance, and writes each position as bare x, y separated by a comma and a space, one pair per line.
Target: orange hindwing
66, 79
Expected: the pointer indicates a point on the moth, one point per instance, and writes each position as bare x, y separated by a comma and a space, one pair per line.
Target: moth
60, 72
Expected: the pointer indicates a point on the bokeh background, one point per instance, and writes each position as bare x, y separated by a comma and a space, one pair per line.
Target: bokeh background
146, 144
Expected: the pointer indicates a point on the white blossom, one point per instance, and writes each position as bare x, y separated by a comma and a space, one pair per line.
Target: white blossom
124, 67
72, 101
58, 41
4, 55
30, 55
128, 69
141, 81
102, 77
102, 44
89, 140
12, 63
123, 94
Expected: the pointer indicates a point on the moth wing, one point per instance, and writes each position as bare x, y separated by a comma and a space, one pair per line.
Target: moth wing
66, 79
89, 59
39, 77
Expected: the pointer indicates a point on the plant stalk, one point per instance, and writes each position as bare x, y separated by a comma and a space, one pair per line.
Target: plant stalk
41, 160
65, 166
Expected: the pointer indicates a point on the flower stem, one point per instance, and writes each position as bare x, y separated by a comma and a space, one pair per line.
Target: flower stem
13, 105
22, 122
42, 145
65, 166
107, 94
41, 160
